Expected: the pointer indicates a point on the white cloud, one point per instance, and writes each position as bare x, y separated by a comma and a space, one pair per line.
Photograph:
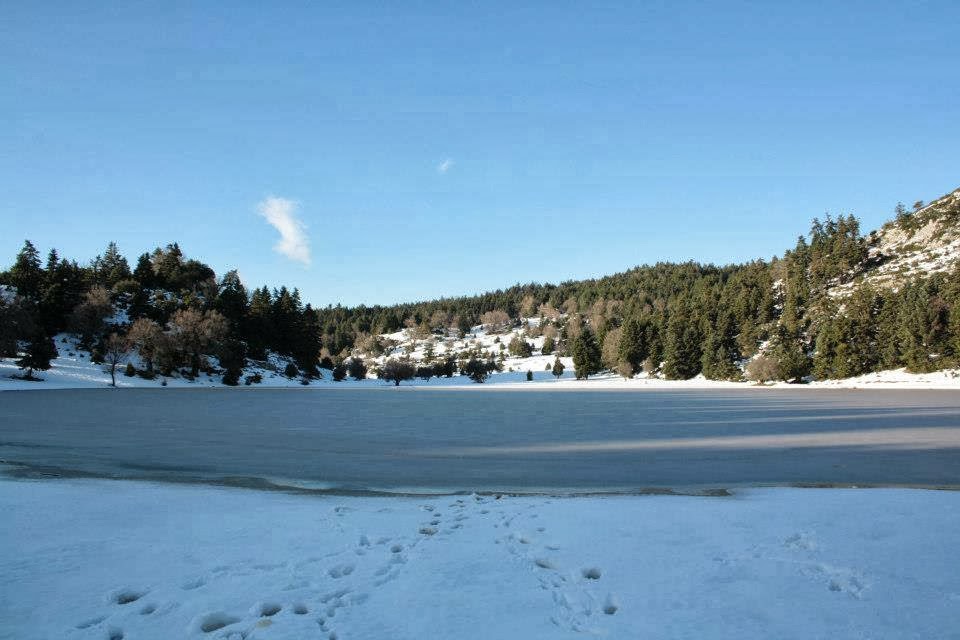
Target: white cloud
445, 166
282, 216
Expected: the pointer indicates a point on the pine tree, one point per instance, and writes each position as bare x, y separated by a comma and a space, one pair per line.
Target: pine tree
259, 329
888, 332
476, 370
633, 348
789, 352
586, 354
520, 348
557, 368
16, 324
111, 268
548, 346
825, 354
357, 369
232, 356
720, 352
40, 351
683, 352
26, 274
232, 302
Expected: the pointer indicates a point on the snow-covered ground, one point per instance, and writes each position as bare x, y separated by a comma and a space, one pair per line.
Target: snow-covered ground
73, 369
109, 560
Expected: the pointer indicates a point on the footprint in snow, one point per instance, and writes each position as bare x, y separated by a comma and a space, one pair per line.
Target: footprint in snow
340, 571
125, 596
591, 573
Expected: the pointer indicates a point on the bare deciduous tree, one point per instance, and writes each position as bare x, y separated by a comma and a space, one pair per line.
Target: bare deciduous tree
495, 321
88, 319
548, 311
528, 306
115, 351
195, 332
146, 336
763, 368
610, 350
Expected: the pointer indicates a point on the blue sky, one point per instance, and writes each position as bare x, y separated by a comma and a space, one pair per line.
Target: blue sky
428, 149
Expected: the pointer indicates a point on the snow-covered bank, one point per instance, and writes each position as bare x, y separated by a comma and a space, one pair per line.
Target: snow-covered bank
100, 559
77, 372
73, 369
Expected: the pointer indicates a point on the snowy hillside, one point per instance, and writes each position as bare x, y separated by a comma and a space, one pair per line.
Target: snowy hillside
921, 243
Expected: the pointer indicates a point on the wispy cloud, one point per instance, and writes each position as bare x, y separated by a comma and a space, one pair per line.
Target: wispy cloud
282, 216
445, 166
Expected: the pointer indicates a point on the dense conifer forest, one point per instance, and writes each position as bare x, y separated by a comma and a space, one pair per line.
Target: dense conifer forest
814, 311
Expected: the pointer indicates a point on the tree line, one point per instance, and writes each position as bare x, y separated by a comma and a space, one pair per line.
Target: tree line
783, 316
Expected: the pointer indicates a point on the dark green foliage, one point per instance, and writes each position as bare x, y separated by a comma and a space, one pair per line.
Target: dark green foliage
548, 345
446, 368
25, 274
634, 347
130, 370
476, 370
291, 371
529, 376
520, 348
425, 372
16, 323
903, 218
110, 268
790, 354
586, 354
357, 369
721, 352
339, 372
925, 316
836, 250
682, 353
557, 368
232, 354
232, 301
397, 371
38, 354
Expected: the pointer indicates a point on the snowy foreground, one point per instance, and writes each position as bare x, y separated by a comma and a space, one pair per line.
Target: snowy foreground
110, 560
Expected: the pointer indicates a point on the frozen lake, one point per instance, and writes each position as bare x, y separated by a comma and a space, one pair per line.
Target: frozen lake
488, 440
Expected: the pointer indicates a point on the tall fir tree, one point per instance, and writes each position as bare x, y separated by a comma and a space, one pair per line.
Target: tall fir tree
720, 351
682, 351
26, 274
38, 354
586, 354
